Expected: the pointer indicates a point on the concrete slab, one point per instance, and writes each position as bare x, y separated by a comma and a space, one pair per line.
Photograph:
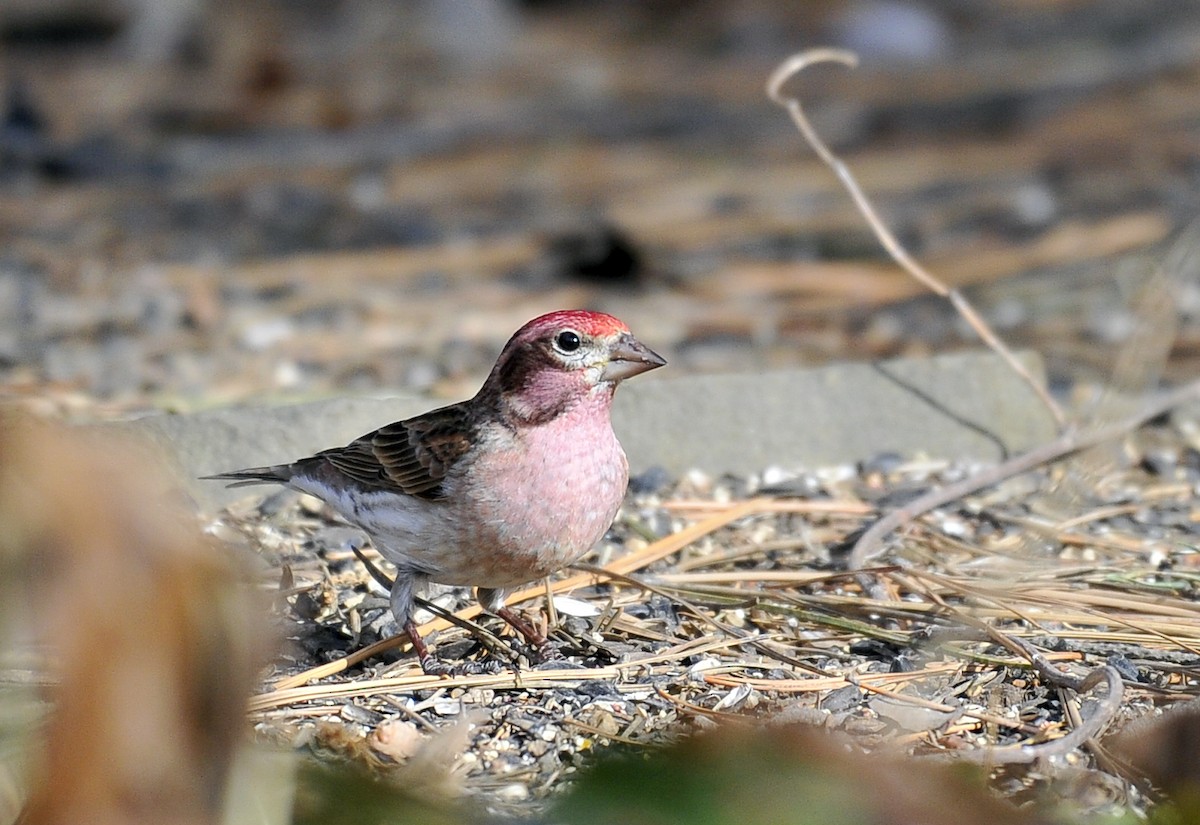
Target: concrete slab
964, 405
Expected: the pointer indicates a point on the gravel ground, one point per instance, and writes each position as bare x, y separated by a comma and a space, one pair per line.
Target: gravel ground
755, 618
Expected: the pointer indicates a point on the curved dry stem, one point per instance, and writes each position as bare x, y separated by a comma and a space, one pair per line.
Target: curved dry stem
781, 75
1105, 711
870, 543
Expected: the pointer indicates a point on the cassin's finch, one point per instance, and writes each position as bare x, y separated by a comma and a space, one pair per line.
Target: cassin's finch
496, 491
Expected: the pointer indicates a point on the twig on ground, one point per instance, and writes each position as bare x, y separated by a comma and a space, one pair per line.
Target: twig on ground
797, 63
870, 543
1071, 441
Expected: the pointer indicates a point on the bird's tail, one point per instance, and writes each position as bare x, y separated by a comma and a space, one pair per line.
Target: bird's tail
275, 474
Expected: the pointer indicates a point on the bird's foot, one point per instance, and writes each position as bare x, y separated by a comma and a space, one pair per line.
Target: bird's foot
546, 655
434, 666
548, 651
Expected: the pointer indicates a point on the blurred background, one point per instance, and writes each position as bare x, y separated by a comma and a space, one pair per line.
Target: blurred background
206, 201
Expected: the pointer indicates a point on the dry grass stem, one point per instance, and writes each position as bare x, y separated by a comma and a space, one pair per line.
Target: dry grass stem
779, 77
870, 544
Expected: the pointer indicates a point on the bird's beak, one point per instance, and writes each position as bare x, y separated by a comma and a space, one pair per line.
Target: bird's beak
630, 357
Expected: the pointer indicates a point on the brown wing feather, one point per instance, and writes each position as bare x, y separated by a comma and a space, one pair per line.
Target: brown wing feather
411, 457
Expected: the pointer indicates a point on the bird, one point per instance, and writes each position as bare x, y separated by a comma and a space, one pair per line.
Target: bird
496, 491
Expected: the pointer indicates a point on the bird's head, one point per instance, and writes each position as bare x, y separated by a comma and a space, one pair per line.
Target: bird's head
564, 357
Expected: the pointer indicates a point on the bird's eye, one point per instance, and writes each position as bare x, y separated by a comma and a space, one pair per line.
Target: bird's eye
567, 341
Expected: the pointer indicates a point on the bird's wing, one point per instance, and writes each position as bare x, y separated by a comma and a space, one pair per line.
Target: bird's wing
410, 457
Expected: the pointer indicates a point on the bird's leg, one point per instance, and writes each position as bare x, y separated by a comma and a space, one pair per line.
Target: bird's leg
433, 666
493, 602
402, 595
403, 591
537, 640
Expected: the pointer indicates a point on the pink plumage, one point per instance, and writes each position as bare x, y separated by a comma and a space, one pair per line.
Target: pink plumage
498, 490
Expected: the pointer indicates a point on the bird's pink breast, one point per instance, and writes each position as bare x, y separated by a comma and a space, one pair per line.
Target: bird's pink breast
541, 500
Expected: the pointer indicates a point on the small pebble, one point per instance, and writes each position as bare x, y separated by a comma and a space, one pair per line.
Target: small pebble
267, 332
513, 793
652, 480
447, 707
842, 699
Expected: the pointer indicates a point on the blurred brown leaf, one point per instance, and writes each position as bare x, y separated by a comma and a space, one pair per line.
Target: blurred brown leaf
154, 641
1164, 749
